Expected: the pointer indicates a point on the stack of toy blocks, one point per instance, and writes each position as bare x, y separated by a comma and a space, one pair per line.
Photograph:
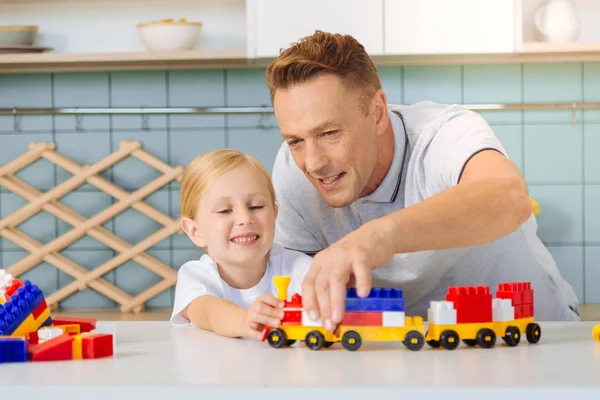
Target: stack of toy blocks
521, 296
293, 310
29, 333
473, 304
382, 307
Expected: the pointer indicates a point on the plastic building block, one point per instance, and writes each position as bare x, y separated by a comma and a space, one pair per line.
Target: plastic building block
96, 345
378, 300
17, 314
441, 313
472, 303
56, 349
502, 310
378, 317
596, 333
48, 333
85, 324
109, 329
12, 349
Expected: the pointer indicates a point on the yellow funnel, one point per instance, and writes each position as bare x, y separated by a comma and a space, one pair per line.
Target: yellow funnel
281, 283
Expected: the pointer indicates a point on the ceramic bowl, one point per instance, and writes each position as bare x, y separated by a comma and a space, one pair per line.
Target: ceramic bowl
17, 35
170, 35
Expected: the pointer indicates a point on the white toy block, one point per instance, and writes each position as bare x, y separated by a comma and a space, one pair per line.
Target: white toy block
5, 280
306, 321
502, 310
393, 318
48, 332
441, 313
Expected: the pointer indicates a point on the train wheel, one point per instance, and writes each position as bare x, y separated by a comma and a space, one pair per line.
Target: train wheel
414, 340
327, 344
351, 341
512, 336
533, 333
314, 340
470, 342
290, 342
277, 338
449, 339
432, 343
486, 338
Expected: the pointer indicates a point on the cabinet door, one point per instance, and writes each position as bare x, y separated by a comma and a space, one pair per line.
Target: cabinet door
452, 26
279, 23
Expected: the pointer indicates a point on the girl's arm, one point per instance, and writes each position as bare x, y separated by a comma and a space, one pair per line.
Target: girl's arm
227, 319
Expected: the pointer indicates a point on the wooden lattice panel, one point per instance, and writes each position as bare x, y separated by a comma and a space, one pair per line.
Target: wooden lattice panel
81, 226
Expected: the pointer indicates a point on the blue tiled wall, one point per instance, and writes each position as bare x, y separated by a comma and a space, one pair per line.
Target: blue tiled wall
557, 157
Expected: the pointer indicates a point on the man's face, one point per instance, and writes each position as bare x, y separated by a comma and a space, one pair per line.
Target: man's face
330, 138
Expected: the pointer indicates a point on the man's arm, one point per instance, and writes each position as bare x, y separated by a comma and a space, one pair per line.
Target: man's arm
490, 201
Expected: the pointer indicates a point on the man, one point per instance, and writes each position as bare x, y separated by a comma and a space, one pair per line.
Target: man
419, 197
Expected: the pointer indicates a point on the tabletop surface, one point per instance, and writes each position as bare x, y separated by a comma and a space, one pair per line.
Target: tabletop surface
155, 354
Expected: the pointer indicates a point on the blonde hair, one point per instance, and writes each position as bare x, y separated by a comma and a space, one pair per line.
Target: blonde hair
319, 53
205, 168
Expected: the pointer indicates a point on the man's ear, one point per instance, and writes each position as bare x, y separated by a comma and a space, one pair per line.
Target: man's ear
190, 228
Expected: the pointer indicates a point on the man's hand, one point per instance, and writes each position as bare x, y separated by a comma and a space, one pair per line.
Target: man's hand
265, 310
350, 260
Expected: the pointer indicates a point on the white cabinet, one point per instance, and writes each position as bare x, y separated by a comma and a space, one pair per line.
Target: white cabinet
276, 24
452, 26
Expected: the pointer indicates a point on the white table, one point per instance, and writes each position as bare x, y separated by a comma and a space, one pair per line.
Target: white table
154, 360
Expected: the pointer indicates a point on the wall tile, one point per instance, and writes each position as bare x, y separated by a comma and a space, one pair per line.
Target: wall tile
82, 90
88, 298
40, 227
139, 89
202, 88
84, 149
511, 137
87, 205
492, 84
591, 146
131, 173
40, 174
549, 83
186, 145
592, 274
561, 219
592, 214
391, 82
262, 144
26, 91
134, 279
442, 84
591, 90
553, 153
570, 263
25, 124
247, 88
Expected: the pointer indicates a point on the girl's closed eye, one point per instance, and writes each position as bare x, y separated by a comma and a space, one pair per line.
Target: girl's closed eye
224, 211
257, 207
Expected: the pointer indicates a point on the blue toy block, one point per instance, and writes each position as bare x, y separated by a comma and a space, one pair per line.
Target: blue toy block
19, 307
13, 350
383, 299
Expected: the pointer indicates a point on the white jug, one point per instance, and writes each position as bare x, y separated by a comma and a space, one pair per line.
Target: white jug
557, 21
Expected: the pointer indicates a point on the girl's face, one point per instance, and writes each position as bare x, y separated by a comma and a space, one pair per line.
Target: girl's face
236, 217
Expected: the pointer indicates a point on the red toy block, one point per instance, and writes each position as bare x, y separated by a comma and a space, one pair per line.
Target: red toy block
39, 309
293, 317
12, 288
358, 318
96, 345
57, 349
472, 303
86, 324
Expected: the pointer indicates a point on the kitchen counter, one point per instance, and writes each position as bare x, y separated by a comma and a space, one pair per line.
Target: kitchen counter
153, 359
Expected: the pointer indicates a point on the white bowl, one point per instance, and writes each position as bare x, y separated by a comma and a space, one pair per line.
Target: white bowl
169, 35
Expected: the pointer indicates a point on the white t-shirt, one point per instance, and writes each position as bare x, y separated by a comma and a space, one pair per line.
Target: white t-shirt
201, 277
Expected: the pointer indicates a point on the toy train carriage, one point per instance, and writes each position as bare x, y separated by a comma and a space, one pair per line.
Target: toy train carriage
469, 313
378, 317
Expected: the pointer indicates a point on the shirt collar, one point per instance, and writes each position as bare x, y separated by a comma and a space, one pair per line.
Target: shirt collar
388, 190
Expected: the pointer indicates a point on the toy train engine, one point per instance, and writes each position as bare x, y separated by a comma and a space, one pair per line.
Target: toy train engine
469, 313
377, 317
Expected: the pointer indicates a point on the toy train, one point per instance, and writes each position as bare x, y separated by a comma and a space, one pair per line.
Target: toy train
468, 314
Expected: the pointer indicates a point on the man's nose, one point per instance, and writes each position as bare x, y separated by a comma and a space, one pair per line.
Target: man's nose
316, 160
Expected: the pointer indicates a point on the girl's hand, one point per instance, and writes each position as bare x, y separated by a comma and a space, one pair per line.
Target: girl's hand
266, 310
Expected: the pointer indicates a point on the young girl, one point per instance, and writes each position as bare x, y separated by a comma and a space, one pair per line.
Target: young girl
228, 208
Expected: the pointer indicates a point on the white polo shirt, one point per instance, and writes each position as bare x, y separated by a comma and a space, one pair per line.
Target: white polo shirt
201, 277
432, 144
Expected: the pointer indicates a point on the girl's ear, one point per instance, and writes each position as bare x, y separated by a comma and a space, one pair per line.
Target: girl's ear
192, 231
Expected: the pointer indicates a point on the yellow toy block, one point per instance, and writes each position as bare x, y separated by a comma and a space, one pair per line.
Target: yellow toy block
31, 325
596, 333
69, 328
77, 347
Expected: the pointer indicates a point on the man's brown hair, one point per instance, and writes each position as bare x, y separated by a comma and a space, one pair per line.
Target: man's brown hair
322, 53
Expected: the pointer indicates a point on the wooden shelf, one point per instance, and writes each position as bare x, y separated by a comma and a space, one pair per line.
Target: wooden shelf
139, 61
56, 62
